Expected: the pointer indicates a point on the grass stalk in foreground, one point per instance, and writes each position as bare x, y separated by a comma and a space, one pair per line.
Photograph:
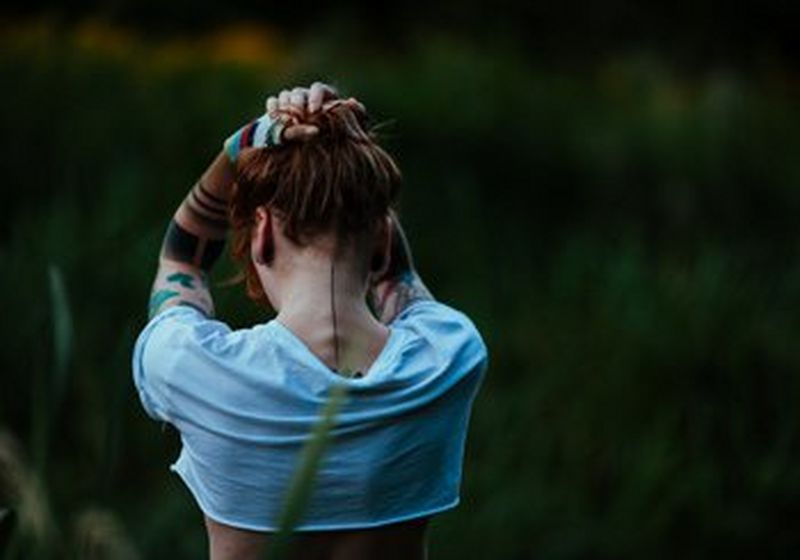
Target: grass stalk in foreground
302, 482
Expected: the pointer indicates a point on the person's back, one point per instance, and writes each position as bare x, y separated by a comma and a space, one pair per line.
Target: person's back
406, 540
351, 310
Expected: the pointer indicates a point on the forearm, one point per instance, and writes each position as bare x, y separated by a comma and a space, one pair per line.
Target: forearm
193, 242
400, 285
196, 234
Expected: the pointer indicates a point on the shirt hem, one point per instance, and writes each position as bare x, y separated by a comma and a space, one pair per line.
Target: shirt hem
207, 510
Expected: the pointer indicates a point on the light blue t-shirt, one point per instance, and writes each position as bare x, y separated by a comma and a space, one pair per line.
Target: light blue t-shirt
245, 401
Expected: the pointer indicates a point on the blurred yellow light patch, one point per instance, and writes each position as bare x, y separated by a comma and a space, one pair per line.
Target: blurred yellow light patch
242, 44
98, 36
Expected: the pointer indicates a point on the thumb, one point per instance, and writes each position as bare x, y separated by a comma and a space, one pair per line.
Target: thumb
300, 132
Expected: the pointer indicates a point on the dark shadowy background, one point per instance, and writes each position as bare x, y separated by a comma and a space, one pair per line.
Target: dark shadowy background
611, 190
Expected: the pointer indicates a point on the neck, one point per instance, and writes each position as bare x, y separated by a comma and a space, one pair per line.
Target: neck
329, 312
307, 289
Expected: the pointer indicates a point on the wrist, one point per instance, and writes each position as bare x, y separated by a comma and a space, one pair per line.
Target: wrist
219, 177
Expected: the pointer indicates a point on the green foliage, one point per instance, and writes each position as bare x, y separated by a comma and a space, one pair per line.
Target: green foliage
62, 334
623, 236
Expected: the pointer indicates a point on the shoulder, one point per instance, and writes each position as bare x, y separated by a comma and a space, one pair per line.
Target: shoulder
443, 327
181, 325
173, 347
433, 314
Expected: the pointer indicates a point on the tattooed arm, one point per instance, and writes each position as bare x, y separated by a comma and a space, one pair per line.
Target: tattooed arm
196, 235
193, 242
400, 285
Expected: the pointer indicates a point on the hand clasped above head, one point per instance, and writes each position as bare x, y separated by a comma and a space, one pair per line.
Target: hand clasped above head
283, 120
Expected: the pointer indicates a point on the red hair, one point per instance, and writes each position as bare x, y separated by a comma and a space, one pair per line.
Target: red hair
339, 181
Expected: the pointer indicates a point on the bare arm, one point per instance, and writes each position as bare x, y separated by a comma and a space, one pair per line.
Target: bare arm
400, 285
195, 237
193, 242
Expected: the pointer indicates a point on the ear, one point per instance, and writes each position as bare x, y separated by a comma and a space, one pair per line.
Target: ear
262, 243
381, 252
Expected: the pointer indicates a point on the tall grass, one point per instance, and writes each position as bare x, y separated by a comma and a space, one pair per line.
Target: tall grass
624, 236
26, 481
97, 534
35, 532
302, 482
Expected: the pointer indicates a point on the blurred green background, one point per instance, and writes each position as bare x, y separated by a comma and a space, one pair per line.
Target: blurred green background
611, 191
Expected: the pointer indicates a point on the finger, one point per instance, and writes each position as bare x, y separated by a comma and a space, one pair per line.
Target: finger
331, 104
353, 102
298, 98
272, 104
292, 114
300, 132
318, 94
284, 99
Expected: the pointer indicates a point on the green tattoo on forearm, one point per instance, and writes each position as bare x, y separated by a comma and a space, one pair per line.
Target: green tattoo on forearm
157, 300
185, 280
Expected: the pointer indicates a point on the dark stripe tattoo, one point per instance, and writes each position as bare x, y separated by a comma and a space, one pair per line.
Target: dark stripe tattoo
179, 244
211, 210
210, 252
206, 219
200, 309
184, 246
209, 199
211, 196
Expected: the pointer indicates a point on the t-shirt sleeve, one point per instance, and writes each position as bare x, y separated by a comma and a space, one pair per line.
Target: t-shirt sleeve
449, 336
162, 346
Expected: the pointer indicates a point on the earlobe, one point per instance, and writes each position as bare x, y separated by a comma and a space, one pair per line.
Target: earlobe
382, 255
263, 243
